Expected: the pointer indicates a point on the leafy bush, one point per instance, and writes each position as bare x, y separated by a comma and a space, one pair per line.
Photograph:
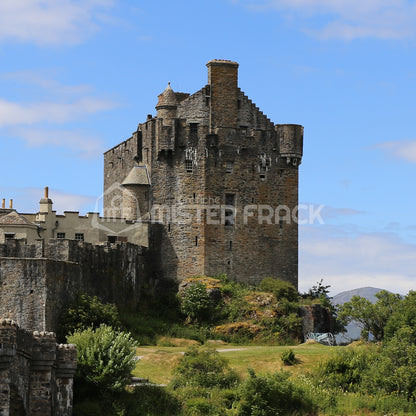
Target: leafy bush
346, 369
288, 357
87, 311
196, 302
203, 367
105, 358
271, 395
280, 288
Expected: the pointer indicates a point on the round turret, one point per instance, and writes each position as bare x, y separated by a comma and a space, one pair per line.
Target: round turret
167, 104
290, 142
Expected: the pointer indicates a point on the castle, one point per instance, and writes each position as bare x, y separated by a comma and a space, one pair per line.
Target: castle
207, 186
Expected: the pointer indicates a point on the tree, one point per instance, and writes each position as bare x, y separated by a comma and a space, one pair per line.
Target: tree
87, 311
403, 316
372, 317
105, 358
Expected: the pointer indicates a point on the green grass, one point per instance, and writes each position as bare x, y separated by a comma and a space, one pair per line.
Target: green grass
157, 363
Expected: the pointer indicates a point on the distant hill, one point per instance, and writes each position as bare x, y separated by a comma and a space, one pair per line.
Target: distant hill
353, 331
365, 292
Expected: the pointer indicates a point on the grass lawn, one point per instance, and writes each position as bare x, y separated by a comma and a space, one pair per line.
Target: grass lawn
157, 363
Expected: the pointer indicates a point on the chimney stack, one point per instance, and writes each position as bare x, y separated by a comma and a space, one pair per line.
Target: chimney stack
3, 203
223, 81
11, 204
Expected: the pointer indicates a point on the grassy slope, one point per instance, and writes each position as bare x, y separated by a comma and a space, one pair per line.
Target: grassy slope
157, 363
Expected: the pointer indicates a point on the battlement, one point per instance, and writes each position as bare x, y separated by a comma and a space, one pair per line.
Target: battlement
38, 281
36, 374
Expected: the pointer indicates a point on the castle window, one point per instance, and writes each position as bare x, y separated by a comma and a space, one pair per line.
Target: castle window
262, 173
193, 128
196, 241
229, 167
231, 245
79, 236
281, 224
112, 239
60, 236
189, 165
9, 236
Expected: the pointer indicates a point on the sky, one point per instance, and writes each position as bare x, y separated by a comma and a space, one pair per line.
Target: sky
77, 76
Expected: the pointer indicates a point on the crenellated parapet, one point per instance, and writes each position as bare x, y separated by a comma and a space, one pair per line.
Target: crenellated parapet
36, 374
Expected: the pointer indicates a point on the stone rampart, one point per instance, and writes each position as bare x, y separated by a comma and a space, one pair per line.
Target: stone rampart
38, 281
36, 374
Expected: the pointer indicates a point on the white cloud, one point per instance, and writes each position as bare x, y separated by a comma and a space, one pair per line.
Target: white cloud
12, 113
50, 22
85, 144
401, 149
347, 19
348, 259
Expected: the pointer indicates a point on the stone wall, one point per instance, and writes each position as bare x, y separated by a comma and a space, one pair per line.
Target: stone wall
316, 318
37, 282
203, 150
36, 374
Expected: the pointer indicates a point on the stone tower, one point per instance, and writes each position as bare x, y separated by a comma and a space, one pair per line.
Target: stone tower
222, 186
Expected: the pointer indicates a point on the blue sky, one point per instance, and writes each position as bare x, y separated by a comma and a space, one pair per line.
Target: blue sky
76, 77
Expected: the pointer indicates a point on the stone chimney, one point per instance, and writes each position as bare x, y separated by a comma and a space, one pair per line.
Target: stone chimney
223, 82
45, 204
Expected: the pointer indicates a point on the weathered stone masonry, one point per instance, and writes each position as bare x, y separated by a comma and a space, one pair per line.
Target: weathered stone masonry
213, 148
36, 374
37, 281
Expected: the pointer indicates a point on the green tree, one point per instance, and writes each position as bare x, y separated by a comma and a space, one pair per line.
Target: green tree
87, 311
105, 358
403, 316
372, 317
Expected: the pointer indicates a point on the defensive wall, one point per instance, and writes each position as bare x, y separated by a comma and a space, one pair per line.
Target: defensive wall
36, 374
37, 281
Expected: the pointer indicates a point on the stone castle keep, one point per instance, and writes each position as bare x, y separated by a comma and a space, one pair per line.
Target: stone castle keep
206, 168
207, 186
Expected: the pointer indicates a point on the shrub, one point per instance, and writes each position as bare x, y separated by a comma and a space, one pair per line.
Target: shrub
105, 358
280, 288
271, 395
202, 367
87, 311
288, 357
346, 368
196, 302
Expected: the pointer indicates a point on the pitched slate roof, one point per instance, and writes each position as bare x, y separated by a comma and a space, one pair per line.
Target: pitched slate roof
12, 217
